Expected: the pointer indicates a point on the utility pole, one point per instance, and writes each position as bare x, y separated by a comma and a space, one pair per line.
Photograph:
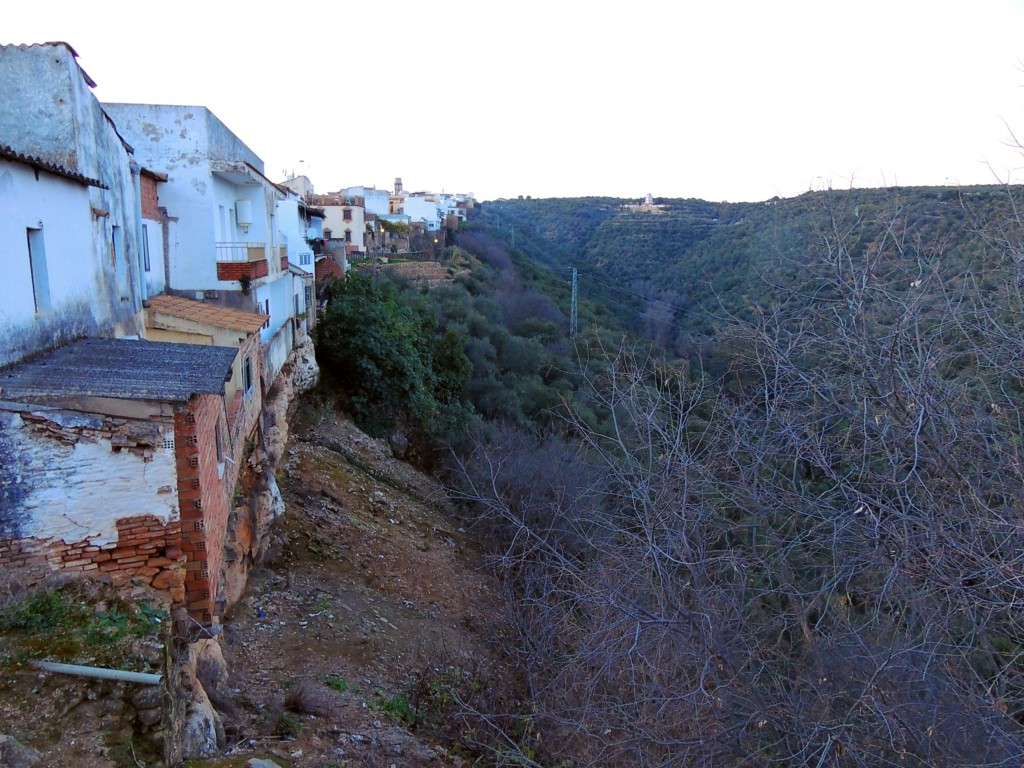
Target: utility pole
572, 308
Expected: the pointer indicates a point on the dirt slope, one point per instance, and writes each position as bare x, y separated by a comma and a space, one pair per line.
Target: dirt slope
375, 589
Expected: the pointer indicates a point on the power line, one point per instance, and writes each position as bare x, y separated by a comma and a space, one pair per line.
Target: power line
640, 296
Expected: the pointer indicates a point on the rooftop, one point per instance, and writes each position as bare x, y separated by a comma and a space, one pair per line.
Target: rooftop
9, 153
210, 314
123, 369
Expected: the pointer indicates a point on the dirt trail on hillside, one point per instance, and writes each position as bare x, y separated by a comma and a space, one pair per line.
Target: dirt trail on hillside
374, 587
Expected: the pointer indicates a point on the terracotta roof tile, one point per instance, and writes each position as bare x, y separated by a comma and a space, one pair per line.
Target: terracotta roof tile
203, 312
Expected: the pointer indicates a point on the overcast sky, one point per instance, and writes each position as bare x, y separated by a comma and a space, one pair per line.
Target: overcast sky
721, 100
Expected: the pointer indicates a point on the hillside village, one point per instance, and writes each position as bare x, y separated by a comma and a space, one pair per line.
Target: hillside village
155, 324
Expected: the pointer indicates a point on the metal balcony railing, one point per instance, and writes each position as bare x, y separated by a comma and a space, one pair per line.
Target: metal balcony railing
241, 251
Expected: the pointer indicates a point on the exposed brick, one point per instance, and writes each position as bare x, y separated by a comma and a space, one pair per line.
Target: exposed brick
235, 270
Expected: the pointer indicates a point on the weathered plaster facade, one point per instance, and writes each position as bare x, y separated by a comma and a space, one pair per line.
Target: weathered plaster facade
225, 245
68, 208
345, 217
118, 465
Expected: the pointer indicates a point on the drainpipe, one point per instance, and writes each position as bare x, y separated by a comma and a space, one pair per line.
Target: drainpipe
100, 673
137, 182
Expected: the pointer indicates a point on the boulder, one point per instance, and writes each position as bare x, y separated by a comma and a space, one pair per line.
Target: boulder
202, 734
14, 754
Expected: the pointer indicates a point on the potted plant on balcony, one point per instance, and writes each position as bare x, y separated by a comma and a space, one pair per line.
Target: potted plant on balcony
246, 282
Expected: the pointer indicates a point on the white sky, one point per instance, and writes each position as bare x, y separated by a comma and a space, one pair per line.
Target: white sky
718, 99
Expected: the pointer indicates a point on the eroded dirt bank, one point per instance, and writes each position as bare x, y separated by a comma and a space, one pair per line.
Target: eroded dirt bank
348, 648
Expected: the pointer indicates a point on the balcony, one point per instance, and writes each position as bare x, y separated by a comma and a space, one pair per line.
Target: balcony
238, 260
241, 251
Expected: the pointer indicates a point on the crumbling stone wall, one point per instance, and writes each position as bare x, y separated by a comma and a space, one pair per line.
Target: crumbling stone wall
89, 493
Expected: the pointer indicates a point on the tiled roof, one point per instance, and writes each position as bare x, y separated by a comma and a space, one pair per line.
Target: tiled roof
59, 170
210, 314
123, 369
327, 268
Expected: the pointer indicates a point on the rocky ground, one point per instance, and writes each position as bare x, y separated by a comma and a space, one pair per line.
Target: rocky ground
354, 647
373, 617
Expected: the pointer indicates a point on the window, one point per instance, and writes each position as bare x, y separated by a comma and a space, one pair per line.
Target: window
117, 258
348, 235
219, 439
264, 309
145, 248
247, 375
305, 258
37, 269
346, 214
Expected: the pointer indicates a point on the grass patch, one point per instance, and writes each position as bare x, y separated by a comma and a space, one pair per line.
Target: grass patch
69, 623
398, 707
341, 685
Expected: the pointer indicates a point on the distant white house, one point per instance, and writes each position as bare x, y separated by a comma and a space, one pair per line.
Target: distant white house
424, 208
69, 229
375, 200
300, 185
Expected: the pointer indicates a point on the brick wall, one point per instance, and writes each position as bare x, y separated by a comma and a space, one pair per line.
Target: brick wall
89, 493
235, 270
203, 489
146, 549
150, 202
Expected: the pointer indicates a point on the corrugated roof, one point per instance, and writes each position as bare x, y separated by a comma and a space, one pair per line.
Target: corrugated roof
58, 170
122, 369
211, 314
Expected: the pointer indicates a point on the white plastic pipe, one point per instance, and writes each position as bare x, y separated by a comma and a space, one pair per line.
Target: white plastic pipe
103, 674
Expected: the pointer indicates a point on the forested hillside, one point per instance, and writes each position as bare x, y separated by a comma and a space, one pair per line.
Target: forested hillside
784, 529
682, 271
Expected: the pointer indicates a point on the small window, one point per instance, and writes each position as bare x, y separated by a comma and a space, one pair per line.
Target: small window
247, 375
348, 235
145, 248
38, 271
347, 214
117, 257
219, 439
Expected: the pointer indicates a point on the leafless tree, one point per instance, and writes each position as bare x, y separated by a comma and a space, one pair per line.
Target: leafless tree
822, 565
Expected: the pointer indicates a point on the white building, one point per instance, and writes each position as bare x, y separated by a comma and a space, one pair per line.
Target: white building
224, 242
424, 208
345, 218
300, 185
375, 200
300, 227
69, 225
